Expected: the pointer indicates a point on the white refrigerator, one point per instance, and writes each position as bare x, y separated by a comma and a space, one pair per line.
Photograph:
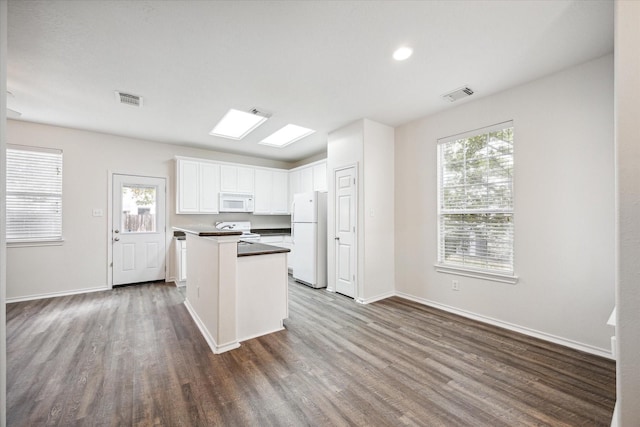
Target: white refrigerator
309, 235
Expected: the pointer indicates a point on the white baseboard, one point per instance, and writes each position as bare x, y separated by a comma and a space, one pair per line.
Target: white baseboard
614, 419
217, 349
56, 294
512, 327
375, 298
261, 334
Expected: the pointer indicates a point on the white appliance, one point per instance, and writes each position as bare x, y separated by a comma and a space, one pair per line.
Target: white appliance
244, 226
309, 235
236, 202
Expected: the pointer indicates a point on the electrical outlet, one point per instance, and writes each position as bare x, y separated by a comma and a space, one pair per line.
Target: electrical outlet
455, 285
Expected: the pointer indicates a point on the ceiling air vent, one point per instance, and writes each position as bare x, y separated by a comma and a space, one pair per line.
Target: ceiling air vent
460, 93
260, 113
129, 99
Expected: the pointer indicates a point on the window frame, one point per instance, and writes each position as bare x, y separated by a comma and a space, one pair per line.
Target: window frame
52, 239
504, 276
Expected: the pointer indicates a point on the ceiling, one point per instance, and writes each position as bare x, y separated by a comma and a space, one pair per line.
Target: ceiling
317, 64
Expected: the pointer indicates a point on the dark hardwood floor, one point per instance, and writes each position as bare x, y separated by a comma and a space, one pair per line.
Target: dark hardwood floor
133, 356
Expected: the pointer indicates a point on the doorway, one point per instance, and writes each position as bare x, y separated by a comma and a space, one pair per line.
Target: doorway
138, 229
345, 230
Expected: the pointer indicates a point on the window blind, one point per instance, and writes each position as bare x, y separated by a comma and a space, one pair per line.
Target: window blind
475, 199
34, 194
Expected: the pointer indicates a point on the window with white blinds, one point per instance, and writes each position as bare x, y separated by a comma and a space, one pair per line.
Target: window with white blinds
34, 194
475, 206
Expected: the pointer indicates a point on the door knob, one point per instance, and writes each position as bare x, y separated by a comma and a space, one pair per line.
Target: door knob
116, 231
117, 239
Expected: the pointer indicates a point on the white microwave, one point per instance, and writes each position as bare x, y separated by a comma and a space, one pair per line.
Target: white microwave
236, 202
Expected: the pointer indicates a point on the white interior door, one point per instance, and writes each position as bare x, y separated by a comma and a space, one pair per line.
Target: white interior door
345, 232
138, 229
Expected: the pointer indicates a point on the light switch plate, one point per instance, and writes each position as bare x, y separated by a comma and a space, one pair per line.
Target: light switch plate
97, 212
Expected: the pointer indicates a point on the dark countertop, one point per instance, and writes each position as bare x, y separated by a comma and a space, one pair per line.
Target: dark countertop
254, 248
271, 231
205, 231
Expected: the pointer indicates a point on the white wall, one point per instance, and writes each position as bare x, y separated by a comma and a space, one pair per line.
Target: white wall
81, 262
627, 79
564, 208
344, 148
369, 146
3, 254
378, 211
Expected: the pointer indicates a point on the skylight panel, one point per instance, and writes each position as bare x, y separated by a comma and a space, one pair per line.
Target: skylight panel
238, 124
287, 135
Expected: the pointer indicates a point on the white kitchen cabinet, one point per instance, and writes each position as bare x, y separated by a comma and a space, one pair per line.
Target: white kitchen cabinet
263, 192
236, 179
294, 185
320, 177
188, 186
280, 193
245, 180
197, 187
271, 192
209, 189
306, 180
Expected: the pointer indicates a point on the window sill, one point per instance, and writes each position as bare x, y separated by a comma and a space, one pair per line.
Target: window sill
461, 271
34, 243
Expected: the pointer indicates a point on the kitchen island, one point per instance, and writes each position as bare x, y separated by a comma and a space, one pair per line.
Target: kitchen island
236, 290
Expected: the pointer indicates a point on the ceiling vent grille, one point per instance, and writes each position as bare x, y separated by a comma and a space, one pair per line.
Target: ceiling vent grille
460, 93
260, 113
129, 99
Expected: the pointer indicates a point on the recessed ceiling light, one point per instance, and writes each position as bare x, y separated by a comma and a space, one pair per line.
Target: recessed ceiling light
237, 124
286, 135
402, 53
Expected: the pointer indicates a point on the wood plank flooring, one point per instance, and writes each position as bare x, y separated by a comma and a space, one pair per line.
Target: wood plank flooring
133, 357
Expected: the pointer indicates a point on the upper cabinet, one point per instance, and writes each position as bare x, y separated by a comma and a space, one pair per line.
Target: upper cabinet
271, 192
262, 196
236, 179
295, 184
306, 179
280, 194
320, 176
197, 187
199, 183
303, 179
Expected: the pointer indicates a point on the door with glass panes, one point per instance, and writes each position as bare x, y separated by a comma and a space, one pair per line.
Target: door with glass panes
138, 229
